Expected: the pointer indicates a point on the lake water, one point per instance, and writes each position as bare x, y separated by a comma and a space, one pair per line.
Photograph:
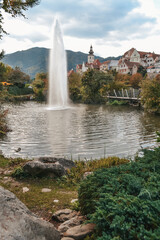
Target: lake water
82, 131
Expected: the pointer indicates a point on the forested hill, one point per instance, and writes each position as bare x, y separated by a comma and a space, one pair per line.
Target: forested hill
35, 60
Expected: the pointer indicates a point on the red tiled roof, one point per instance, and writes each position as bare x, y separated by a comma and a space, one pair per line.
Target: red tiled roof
150, 67
96, 62
70, 72
129, 52
106, 62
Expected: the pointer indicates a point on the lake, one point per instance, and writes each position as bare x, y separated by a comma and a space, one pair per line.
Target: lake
82, 131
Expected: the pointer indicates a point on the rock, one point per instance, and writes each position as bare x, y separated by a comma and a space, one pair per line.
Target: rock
5, 178
48, 166
64, 215
86, 174
67, 164
80, 232
56, 201
45, 190
18, 223
67, 238
25, 189
74, 200
75, 221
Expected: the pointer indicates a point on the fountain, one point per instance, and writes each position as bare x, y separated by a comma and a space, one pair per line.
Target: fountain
58, 90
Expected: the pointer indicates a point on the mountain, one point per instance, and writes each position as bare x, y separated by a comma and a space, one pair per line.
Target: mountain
35, 60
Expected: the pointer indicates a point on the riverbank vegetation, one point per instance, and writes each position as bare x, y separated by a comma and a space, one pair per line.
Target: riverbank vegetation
91, 87
122, 197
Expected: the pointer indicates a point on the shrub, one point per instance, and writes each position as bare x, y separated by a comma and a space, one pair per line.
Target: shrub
124, 201
76, 173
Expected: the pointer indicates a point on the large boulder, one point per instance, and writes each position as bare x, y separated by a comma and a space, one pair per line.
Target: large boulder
18, 223
48, 166
80, 232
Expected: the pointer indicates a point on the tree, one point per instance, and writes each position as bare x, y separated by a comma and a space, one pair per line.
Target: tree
95, 85
150, 95
142, 70
17, 77
2, 72
75, 85
135, 80
14, 8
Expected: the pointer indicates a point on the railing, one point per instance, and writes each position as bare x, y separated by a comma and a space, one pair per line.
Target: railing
131, 94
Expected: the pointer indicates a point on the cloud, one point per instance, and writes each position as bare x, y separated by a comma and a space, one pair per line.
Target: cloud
95, 19
103, 22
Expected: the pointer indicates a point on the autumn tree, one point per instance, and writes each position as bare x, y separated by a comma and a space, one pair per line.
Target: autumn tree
17, 77
135, 80
14, 8
150, 94
2, 72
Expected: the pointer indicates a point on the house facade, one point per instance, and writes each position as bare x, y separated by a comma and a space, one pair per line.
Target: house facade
133, 59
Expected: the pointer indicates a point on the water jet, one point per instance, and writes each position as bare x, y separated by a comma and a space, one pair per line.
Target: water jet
58, 90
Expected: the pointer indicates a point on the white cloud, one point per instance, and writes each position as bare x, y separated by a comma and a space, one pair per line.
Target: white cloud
111, 26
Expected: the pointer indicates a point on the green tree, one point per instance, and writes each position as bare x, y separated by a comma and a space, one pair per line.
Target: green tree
95, 85
142, 70
40, 86
14, 8
75, 85
150, 95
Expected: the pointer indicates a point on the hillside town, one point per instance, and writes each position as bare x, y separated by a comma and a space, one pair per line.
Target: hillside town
128, 63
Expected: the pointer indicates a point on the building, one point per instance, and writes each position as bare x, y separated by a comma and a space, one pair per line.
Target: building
132, 59
127, 67
91, 64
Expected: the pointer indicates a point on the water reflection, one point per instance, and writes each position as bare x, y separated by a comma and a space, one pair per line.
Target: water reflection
78, 132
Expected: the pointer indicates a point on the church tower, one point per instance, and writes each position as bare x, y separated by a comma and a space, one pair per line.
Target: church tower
91, 55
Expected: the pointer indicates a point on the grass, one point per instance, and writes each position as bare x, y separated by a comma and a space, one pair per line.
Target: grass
63, 190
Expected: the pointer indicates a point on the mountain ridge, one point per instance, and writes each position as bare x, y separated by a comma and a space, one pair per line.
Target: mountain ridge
35, 60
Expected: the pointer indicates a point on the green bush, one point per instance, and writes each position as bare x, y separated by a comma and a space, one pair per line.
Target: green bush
19, 173
124, 201
16, 91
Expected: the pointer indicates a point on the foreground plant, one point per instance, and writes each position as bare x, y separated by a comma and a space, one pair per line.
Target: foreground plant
124, 201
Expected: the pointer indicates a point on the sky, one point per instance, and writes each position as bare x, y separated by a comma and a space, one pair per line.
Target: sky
111, 26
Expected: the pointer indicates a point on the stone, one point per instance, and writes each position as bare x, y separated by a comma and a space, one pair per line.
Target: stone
46, 190
64, 215
56, 201
67, 164
5, 178
86, 174
25, 189
75, 221
48, 166
74, 200
80, 232
67, 238
17, 222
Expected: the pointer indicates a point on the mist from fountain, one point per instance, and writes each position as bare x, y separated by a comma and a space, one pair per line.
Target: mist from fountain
58, 89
